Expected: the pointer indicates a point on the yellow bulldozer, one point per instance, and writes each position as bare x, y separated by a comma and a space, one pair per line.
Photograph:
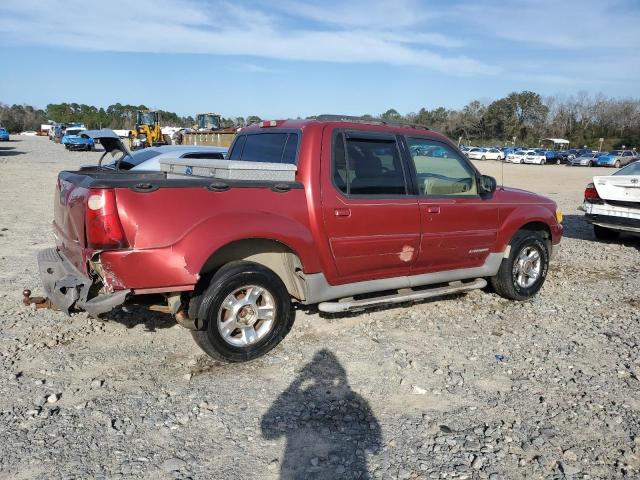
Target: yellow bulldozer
147, 131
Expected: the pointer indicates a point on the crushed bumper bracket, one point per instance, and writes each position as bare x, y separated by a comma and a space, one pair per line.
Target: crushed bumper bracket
68, 289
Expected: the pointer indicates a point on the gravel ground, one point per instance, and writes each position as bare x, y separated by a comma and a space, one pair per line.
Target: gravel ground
471, 386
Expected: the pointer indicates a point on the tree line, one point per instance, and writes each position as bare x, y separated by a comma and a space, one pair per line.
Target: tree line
524, 118
520, 118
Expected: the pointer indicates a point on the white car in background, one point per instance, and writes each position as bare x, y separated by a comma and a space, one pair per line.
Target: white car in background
476, 153
531, 156
148, 159
494, 154
612, 203
516, 157
480, 153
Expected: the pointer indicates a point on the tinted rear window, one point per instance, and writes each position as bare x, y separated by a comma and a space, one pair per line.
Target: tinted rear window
266, 147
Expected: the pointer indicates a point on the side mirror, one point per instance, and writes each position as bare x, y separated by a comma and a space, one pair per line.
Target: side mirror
487, 184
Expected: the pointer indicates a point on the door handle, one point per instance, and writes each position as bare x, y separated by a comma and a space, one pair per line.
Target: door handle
342, 212
433, 209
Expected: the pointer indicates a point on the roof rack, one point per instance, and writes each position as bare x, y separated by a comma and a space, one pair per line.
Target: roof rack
372, 121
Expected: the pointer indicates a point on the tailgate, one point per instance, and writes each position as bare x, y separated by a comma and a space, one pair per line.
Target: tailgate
621, 188
69, 219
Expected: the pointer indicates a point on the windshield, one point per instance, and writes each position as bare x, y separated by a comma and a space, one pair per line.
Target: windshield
132, 159
631, 169
73, 131
209, 121
146, 118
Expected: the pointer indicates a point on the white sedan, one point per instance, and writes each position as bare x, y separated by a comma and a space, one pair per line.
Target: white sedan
516, 157
531, 156
612, 204
494, 154
479, 153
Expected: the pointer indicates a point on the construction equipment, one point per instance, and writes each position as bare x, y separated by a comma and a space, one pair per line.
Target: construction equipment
147, 131
207, 131
208, 122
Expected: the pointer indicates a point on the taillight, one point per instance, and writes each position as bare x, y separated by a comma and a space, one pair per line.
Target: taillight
103, 227
591, 194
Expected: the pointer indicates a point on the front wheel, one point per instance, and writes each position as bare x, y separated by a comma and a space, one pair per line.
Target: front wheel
522, 274
558, 161
246, 311
483, 158
617, 164
590, 164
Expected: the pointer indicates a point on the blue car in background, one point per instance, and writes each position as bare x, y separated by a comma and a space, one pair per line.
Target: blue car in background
73, 141
616, 158
4, 135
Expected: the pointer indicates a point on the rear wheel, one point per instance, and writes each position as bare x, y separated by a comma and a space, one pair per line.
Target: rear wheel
589, 163
483, 157
558, 161
246, 311
605, 234
522, 274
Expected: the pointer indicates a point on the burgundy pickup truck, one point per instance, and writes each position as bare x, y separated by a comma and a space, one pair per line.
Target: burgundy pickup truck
375, 214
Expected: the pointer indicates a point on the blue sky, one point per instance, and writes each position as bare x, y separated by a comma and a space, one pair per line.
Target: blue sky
296, 58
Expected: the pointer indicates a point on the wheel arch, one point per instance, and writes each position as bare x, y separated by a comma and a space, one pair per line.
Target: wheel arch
273, 254
532, 226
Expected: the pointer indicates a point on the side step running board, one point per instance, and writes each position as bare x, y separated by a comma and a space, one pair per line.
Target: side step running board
406, 295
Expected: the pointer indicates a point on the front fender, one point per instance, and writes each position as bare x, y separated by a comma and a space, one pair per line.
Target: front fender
518, 216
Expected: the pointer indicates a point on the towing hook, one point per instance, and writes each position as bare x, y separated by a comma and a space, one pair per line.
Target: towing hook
39, 302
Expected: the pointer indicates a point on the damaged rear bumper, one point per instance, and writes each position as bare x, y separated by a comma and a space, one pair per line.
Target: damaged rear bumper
68, 289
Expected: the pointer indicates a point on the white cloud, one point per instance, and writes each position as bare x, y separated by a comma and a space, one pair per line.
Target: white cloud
565, 24
374, 31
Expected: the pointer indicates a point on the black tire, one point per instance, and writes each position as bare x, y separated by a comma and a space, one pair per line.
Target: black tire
590, 164
483, 158
605, 234
617, 164
558, 161
228, 279
504, 282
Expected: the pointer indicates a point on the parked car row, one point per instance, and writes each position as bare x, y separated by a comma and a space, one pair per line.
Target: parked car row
539, 156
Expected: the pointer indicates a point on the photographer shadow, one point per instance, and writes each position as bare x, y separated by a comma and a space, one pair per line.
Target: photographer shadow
329, 428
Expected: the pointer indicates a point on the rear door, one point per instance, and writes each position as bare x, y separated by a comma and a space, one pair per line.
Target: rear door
458, 226
370, 213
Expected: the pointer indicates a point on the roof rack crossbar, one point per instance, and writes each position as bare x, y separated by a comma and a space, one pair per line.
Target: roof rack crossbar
373, 121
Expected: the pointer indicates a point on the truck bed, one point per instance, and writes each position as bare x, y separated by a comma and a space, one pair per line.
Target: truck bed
171, 225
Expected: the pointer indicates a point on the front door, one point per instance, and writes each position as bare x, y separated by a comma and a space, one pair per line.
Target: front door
372, 221
459, 227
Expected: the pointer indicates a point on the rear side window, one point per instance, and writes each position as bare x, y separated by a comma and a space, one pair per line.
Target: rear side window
266, 147
367, 166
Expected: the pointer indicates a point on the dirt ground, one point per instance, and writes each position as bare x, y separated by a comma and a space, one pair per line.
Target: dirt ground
471, 386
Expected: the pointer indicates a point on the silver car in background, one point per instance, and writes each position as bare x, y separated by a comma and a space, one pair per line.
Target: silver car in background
586, 160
